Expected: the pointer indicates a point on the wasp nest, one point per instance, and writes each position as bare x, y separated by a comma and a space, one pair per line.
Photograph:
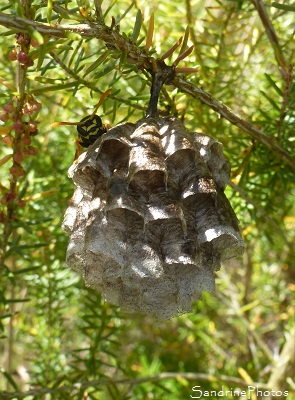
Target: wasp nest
149, 220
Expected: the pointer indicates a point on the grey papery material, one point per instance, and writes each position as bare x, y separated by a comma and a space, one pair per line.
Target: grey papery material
149, 222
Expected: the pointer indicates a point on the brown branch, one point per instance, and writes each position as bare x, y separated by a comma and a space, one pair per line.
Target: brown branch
111, 37
140, 57
164, 376
23, 24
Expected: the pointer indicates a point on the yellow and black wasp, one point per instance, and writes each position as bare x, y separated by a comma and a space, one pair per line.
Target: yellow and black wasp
89, 129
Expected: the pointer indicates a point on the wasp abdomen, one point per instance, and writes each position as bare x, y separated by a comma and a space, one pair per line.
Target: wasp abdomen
89, 129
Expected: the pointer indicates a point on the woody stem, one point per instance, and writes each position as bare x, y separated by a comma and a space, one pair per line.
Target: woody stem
161, 74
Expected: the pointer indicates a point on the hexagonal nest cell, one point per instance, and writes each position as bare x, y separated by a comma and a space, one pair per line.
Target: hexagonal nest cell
149, 222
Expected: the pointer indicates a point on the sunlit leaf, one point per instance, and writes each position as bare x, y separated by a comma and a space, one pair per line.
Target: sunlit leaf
98, 62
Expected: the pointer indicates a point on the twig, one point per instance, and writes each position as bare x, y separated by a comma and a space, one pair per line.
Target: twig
164, 376
111, 37
234, 119
140, 57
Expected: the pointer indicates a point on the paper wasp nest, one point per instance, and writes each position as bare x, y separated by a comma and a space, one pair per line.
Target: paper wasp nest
149, 220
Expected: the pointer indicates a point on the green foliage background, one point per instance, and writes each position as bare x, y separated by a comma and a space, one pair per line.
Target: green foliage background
57, 333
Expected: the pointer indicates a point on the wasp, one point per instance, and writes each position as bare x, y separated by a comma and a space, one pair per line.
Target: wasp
89, 129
